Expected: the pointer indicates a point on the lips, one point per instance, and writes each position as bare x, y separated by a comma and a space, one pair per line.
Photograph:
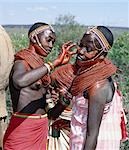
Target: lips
49, 50
79, 57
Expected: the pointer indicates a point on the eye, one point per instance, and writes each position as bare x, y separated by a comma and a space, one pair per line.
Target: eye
53, 41
49, 40
80, 45
89, 49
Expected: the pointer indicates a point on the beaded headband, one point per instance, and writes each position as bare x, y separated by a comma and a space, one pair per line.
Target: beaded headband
101, 39
40, 29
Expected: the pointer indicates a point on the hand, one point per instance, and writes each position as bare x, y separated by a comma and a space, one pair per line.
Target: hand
66, 94
65, 55
56, 111
66, 47
54, 93
55, 96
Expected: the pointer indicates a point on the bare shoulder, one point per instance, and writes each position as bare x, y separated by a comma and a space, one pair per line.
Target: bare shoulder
18, 71
19, 65
102, 90
99, 85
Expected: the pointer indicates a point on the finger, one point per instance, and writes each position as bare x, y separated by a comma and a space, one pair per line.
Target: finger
73, 53
67, 55
65, 45
71, 46
55, 96
66, 58
53, 91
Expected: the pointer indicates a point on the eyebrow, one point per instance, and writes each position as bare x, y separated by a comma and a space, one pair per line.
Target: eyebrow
51, 36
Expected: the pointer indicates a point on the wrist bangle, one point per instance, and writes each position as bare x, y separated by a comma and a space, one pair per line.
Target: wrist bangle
48, 67
51, 65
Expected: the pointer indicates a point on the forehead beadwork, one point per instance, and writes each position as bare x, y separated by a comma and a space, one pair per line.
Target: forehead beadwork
100, 37
40, 29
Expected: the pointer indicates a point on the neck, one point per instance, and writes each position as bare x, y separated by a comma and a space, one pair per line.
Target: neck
83, 65
31, 48
36, 49
87, 64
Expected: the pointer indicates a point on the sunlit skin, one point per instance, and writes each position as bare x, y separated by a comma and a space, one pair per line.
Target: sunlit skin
27, 95
99, 93
47, 40
87, 50
31, 90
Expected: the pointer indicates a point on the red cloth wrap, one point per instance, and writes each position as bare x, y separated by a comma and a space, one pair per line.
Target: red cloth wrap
26, 134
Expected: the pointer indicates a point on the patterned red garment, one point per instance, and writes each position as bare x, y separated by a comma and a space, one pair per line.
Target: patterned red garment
26, 134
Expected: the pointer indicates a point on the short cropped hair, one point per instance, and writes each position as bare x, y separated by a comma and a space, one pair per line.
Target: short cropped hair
107, 33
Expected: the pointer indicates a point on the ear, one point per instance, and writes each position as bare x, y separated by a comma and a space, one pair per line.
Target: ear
33, 39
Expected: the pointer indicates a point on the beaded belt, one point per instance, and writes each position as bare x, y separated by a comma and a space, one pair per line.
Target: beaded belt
31, 116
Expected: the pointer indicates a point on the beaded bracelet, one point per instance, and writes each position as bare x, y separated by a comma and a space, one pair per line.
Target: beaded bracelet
48, 67
51, 65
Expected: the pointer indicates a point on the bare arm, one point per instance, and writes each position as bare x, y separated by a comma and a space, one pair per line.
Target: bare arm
97, 99
23, 78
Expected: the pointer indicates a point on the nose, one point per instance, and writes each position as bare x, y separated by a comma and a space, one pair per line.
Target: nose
50, 44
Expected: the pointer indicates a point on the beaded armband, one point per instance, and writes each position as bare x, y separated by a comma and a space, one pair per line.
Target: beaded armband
49, 66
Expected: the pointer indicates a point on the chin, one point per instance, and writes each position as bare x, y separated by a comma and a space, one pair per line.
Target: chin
78, 61
45, 55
